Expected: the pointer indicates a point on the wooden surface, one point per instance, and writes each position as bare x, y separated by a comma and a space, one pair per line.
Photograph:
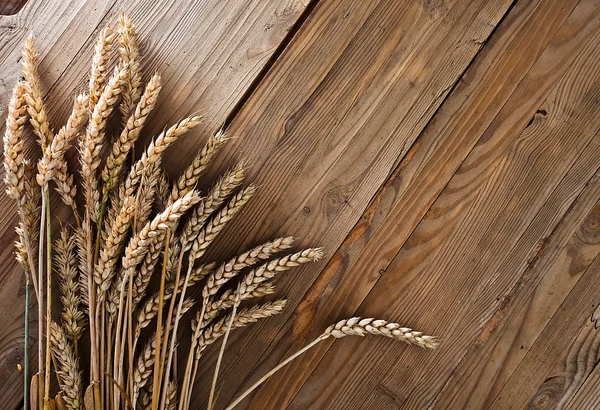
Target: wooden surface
446, 154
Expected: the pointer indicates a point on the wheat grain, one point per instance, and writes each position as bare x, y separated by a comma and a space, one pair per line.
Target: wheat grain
162, 192
91, 145
217, 223
243, 318
53, 156
131, 132
154, 152
100, 61
228, 299
13, 142
66, 268
69, 373
357, 326
35, 105
189, 178
117, 230
130, 55
145, 196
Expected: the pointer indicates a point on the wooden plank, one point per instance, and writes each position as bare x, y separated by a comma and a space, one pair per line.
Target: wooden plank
445, 279
9, 7
517, 43
329, 123
569, 338
587, 396
525, 311
209, 55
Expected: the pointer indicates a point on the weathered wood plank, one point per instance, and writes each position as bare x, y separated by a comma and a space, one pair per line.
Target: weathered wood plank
525, 311
588, 396
382, 230
208, 55
492, 214
569, 339
329, 123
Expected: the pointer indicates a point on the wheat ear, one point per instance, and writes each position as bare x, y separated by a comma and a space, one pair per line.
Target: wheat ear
35, 104
54, 153
117, 230
190, 176
100, 61
130, 55
13, 142
131, 132
69, 373
354, 326
66, 268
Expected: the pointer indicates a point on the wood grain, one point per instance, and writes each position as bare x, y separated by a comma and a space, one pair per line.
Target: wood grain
445, 153
326, 136
397, 209
208, 57
449, 276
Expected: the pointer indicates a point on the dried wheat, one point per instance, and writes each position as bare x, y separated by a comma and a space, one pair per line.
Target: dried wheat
53, 159
130, 55
66, 268
357, 326
35, 104
13, 143
69, 373
189, 178
100, 62
131, 132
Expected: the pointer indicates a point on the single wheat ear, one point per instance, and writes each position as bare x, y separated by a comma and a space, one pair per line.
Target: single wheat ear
355, 326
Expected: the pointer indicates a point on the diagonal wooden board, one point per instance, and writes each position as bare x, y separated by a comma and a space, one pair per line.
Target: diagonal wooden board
209, 56
481, 235
343, 103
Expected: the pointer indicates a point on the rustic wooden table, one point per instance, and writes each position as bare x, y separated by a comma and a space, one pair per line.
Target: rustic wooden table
443, 151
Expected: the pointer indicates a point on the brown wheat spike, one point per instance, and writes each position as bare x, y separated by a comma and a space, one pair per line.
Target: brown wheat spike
217, 223
13, 143
68, 371
91, 145
243, 318
66, 267
154, 153
117, 231
35, 103
130, 55
100, 62
53, 156
209, 204
65, 186
229, 298
189, 178
357, 326
131, 132
144, 364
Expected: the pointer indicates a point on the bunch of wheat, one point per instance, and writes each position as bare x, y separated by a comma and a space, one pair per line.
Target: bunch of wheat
129, 225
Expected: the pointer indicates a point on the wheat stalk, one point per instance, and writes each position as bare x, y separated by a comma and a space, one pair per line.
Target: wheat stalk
354, 326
